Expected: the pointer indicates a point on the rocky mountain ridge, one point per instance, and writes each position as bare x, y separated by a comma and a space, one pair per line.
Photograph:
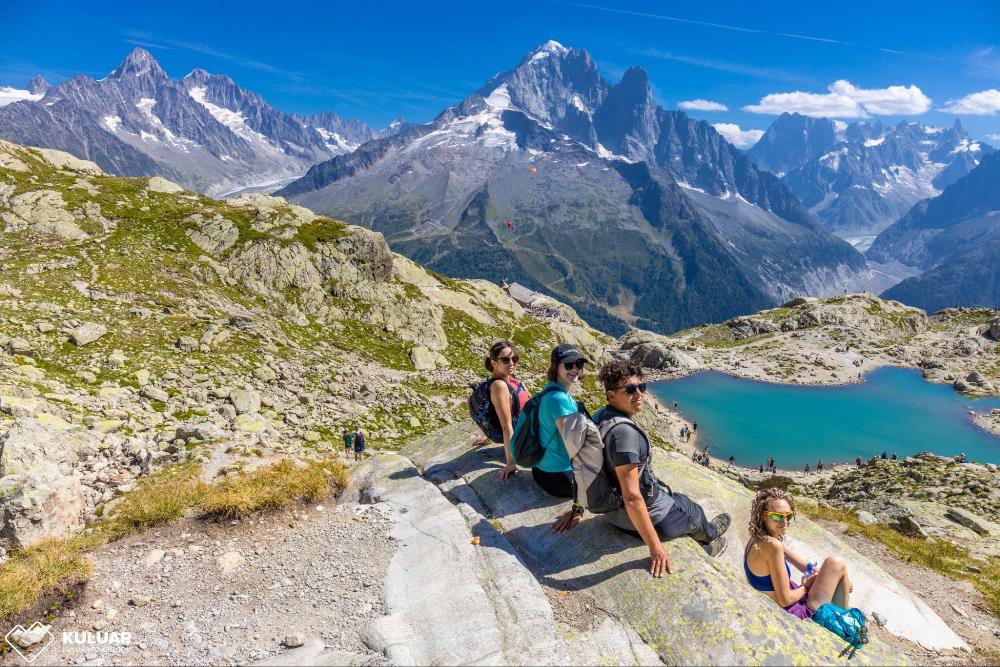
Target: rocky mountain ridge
860, 178
549, 163
202, 131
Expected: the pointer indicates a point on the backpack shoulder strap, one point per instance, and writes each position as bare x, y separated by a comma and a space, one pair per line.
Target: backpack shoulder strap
608, 425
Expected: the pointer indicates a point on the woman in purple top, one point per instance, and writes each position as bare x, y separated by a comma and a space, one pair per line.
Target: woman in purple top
766, 561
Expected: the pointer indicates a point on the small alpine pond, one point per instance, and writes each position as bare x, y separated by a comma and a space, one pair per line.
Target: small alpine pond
894, 410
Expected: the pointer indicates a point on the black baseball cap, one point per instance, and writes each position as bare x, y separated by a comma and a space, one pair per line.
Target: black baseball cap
566, 353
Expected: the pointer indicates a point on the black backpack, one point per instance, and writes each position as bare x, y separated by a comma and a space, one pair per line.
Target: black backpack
485, 415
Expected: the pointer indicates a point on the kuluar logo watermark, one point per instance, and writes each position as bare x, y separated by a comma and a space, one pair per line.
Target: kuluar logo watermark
22, 638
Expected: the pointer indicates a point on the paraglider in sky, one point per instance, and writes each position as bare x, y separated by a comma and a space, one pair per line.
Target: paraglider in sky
510, 224
532, 170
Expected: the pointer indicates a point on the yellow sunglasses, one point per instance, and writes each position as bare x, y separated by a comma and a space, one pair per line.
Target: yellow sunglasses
778, 517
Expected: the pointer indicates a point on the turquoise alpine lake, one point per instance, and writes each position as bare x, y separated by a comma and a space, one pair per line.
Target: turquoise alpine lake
894, 411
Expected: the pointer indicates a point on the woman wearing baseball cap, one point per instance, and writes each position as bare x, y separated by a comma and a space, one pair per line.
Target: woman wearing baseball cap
554, 472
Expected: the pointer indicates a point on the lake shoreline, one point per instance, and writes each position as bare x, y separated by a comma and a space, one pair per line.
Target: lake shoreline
914, 410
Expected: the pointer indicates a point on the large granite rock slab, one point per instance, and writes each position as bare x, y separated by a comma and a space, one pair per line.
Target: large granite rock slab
705, 612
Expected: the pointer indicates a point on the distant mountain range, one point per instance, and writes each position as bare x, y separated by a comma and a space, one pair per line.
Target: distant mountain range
955, 239
860, 178
203, 131
550, 175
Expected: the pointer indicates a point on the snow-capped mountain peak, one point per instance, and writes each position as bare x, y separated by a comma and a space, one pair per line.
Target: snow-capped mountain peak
138, 63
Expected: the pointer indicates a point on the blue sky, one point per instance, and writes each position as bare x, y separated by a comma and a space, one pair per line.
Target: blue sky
376, 60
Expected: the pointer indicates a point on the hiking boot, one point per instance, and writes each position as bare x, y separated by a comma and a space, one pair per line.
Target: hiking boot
721, 523
716, 547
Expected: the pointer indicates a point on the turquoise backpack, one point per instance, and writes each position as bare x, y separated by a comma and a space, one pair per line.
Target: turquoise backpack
848, 624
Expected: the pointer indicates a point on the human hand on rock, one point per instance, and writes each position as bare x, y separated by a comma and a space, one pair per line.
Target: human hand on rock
565, 521
659, 561
508, 470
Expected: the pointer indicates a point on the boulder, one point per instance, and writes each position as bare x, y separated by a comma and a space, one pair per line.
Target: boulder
867, 518
41, 212
992, 330
245, 401
19, 346
966, 519
658, 356
705, 598
160, 184
30, 446
64, 160
203, 431
422, 358
39, 505
87, 333
154, 394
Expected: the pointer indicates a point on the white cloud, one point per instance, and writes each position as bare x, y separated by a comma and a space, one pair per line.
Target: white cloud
702, 105
983, 103
736, 136
993, 137
845, 100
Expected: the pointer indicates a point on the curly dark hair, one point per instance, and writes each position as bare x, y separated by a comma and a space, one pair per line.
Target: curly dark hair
761, 506
615, 371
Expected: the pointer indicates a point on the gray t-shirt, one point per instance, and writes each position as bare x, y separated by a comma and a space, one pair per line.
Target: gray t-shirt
627, 443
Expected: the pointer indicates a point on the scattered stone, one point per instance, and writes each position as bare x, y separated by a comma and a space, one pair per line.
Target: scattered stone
867, 518
265, 374
966, 519
140, 600
19, 346
154, 557
186, 344
229, 562
87, 333
154, 394
160, 184
295, 640
245, 401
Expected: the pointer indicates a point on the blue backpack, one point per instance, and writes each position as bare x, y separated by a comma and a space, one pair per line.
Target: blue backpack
848, 624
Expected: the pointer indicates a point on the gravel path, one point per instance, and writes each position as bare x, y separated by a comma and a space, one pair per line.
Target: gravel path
197, 593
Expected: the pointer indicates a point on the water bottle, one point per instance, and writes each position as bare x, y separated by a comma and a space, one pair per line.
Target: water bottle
810, 570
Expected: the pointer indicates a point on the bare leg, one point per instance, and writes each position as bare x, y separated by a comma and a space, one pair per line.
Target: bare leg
831, 583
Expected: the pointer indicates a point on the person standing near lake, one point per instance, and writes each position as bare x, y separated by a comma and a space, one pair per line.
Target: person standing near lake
807, 468
819, 466
857, 462
770, 463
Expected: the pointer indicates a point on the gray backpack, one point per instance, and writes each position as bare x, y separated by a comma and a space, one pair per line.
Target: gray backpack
597, 487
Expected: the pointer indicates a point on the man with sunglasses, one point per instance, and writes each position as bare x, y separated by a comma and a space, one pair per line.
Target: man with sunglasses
651, 509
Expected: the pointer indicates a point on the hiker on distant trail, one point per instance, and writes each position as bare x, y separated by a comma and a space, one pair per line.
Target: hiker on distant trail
895, 456
761, 467
651, 509
819, 465
766, 561
770, 463
554, 472
857, 462
695, 455
359, 443
694, 428
807, 468
732, 459
507, 397
348, 442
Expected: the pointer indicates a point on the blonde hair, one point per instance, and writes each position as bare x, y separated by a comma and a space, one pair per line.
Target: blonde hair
759, 508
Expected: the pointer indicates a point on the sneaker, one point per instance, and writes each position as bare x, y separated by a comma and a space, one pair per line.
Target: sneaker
721, 523
716, 547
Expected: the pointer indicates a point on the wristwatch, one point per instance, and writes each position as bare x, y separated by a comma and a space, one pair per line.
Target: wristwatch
577, 509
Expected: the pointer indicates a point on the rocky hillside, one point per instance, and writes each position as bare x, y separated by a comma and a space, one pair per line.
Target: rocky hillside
142, 324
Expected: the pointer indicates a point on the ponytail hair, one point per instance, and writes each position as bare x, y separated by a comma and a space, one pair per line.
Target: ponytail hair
495, 350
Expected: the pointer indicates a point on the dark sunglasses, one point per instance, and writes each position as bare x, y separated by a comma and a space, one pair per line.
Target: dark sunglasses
630, 389
570, 365
509, 359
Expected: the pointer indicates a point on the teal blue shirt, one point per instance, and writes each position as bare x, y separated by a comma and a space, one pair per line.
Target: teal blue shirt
554, 405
